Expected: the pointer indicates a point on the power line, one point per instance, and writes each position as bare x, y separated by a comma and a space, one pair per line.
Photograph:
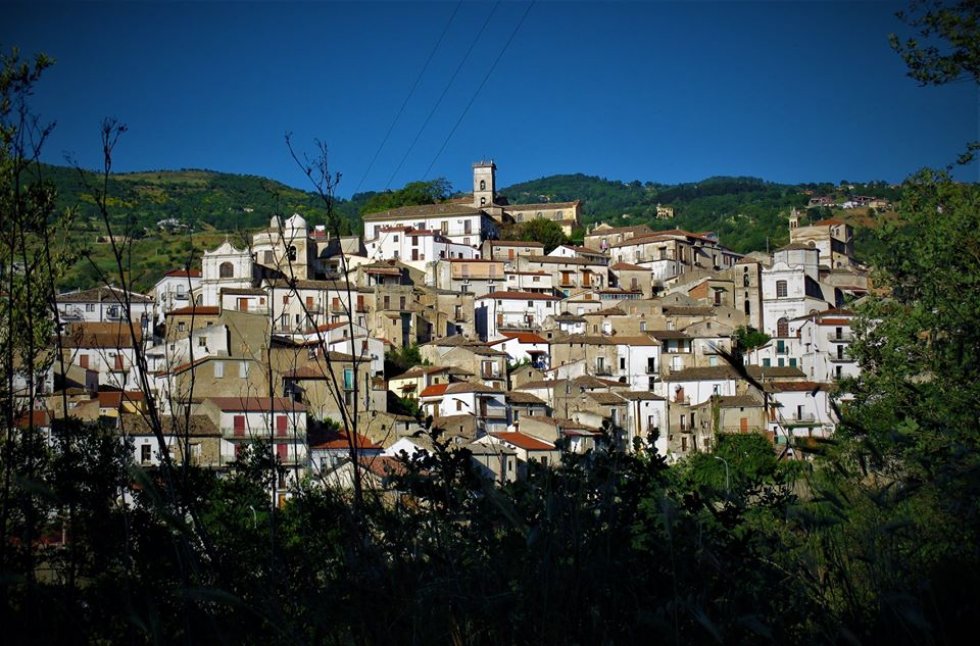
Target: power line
479, 89
411, 92
443, 95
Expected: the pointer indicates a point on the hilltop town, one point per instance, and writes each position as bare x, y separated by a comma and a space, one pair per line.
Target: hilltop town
636, 336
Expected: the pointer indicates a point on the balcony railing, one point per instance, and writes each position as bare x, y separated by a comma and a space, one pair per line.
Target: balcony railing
806, 419
843, 337
603, 371
841, 359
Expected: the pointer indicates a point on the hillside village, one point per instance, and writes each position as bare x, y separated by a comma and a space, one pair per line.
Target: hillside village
524, 354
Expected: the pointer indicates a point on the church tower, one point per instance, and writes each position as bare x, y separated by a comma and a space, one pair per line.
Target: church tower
484, 183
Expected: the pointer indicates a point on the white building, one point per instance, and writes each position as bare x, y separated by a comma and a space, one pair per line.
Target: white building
105, 304
791, 288
175, 290
464, 225
224, 268
521, 310
415, 247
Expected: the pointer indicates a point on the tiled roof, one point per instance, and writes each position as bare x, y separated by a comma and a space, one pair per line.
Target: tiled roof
514, 243
524, 337
199, 426
103, 295
775, 372
522, 441
102, 335
518, 397
435, 390
542, 205
519, 296
424, 210
796, 386
184, 273
195, 310
625, 266
338, 440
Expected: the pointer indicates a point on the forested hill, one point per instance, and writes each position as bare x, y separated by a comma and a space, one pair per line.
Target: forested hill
196, 198
747, 213
744, 211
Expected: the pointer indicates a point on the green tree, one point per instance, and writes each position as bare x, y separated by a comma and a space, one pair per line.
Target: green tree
545, 231
412, 194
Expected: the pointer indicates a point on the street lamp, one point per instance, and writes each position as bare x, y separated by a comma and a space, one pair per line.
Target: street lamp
728, 482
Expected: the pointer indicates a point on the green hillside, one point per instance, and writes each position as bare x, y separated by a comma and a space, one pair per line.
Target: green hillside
201, 207
746, 212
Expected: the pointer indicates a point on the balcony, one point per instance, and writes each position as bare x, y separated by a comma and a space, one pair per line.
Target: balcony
841, 358
806, 419
652, 370
603, 371
843, 337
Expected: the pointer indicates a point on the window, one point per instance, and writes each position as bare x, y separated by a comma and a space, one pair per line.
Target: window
291, 252
530, 303
226, 270
268, 258
781, 289
748, 307
792, 363
202, 342
89, 307
180, 326
219, 369
243, 369
145, 453
483, 185
239, 425
348, 379
782, 327
459, 405
766, 363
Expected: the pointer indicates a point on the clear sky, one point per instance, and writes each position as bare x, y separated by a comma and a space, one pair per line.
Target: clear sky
655, 91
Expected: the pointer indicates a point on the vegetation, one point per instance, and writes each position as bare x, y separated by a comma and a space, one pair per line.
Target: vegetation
548, 233
412, 194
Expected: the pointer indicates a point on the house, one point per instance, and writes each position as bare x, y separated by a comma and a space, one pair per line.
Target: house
458, 223
495, 461
526, 449
106, 304
415, 247
175, 291
509, 250
109, 348
196, 439
244, 420
512, 311
329, 450
334, 385
602, 236
523, 347
484, 403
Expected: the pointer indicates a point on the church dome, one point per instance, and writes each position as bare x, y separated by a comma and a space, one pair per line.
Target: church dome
296, 221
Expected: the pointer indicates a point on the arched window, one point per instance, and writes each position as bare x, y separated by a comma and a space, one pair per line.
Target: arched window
291, 252
226, 270
483, 184
782, 327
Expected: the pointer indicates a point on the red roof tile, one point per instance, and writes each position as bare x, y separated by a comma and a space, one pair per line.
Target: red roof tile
435, 390
526, 442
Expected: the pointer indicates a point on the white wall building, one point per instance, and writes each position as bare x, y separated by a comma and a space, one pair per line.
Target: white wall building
521, 310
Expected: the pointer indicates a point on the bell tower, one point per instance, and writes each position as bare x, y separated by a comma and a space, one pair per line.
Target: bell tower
484, 183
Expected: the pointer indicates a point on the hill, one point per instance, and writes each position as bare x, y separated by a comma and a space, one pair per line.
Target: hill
174, 215
748, 213
195, 199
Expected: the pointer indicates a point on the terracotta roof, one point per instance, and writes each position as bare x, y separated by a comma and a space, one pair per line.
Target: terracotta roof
561, 260
522, 441
775, 372
435, 390
113, 399
524, 337
564, 424
625, 266
35, 418
184, 273
797, 386
242, 291
636, 340
606, 399
641, 395
103, 295
639, 228
431, 210
518, 397
519, 296
199, 426
828, 222
542, 205
102, 335
256, 404
737, 401
663, 335
702, 374
195, 310
339, 440
514, 243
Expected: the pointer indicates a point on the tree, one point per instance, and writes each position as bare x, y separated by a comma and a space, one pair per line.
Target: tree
545, 231
935, 63
412, 194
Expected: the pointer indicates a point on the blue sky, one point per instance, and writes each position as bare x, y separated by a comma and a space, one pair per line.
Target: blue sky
655, 91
